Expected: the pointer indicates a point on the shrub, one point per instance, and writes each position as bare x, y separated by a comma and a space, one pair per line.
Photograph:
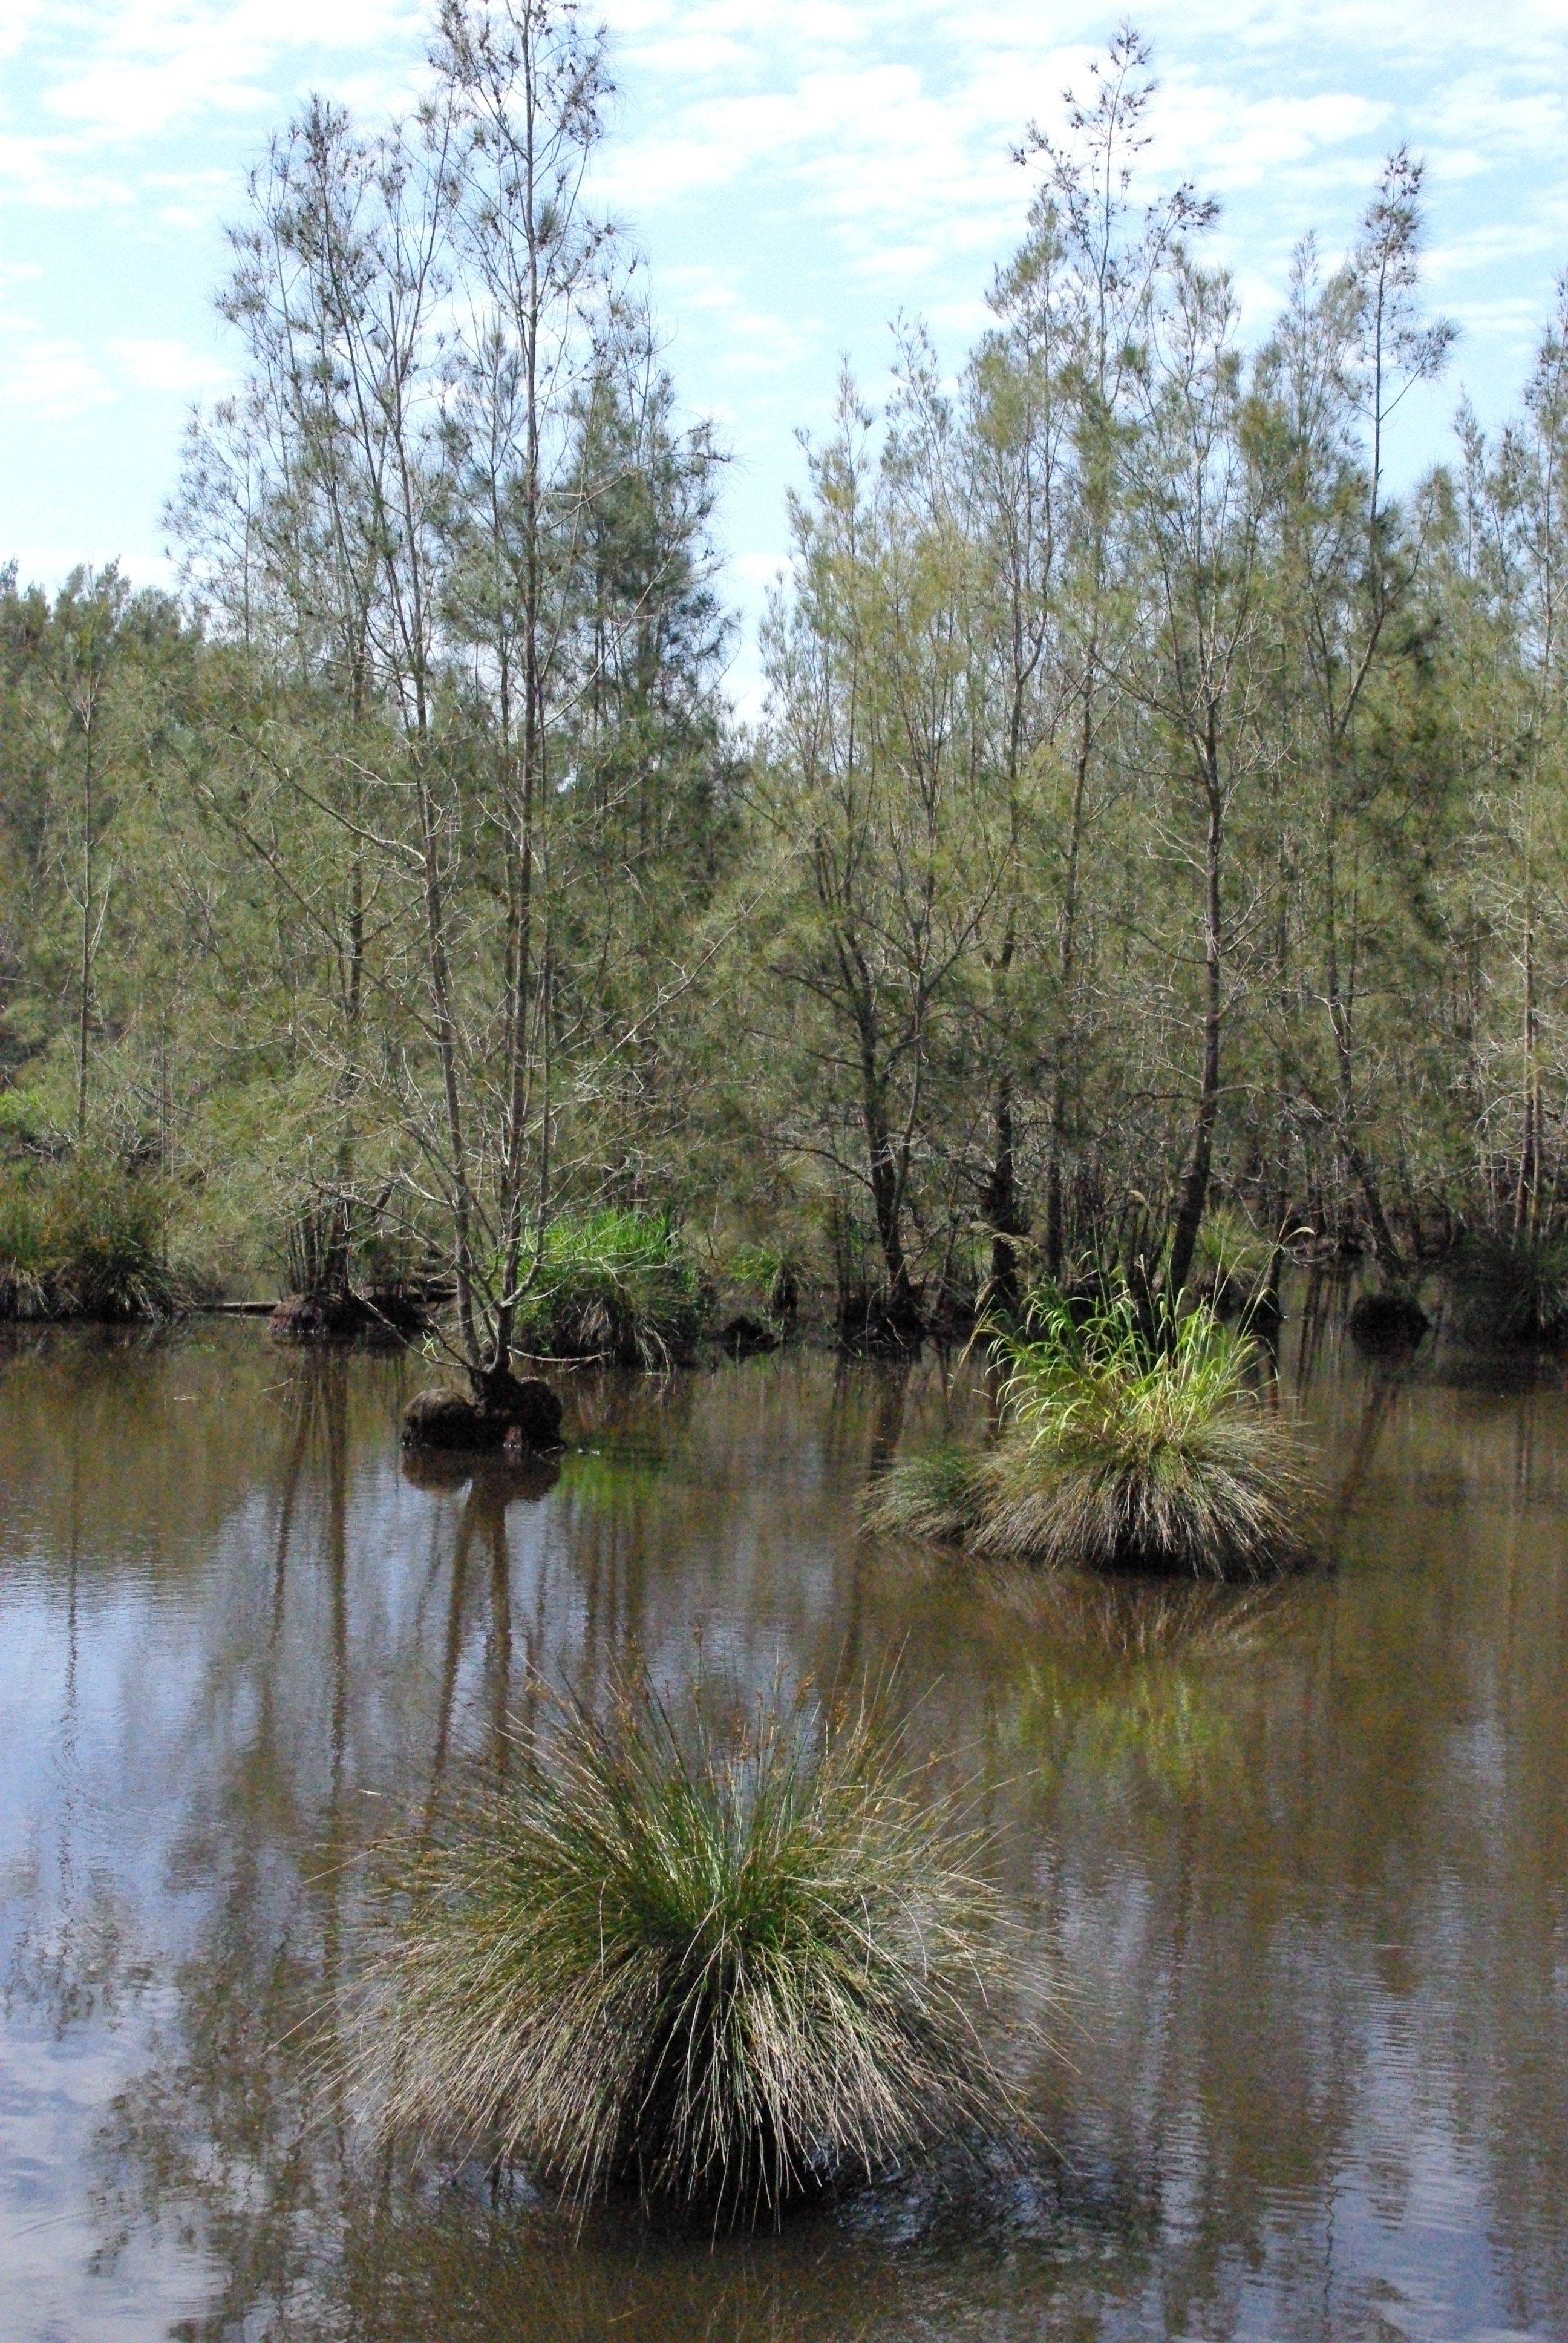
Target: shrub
1513, 1289
613, 1285
1120, 1450
81, 1243
724, 1970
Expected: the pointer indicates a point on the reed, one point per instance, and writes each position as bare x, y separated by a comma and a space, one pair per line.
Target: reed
82, 1244
936, 1495
723, 1968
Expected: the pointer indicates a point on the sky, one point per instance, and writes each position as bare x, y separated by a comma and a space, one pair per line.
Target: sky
799, 173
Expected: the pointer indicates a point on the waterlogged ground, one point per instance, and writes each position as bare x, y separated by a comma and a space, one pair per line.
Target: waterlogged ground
1300, 1864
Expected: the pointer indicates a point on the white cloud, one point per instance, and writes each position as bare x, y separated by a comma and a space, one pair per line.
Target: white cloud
759, 568
131, 70
50, 379
800, 169
49, 564
167, 366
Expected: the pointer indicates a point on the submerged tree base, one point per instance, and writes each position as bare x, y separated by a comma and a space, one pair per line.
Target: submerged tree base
506, 1412
887, 1323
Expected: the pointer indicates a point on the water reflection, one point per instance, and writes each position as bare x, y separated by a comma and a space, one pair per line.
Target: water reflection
1298, 1853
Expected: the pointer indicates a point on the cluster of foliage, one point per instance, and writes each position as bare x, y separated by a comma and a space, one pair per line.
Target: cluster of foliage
1124, 1444
723, 1968
1151, 810
612, 1284
75, 1243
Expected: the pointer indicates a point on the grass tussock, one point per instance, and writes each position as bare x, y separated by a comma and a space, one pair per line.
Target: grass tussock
1118, 1451
79, 1243
722, 1968
936, 1495
1514, 1288
616, 1286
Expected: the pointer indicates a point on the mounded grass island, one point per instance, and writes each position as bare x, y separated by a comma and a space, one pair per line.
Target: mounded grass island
723, 1968
1122, 1444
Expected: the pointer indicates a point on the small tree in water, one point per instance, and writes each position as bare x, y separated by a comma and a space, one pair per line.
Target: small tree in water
452, 410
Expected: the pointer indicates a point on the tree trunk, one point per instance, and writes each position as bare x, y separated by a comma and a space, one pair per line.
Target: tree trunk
1001, 1208
1194, 1195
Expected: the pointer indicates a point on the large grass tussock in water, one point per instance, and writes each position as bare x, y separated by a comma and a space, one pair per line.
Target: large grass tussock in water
1117, 1451
613, 1285
79, 1242
724, 1969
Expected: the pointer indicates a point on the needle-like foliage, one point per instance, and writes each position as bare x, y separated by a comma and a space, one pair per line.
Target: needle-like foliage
722, 1969
1120, 1449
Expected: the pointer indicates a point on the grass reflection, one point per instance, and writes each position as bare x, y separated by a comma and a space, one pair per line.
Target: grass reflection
1123, 1677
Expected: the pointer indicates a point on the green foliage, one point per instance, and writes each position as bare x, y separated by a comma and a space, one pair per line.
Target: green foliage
935, 1495
992, 946
723, 1968
81, 1243
1127, 1451
1514, 1288
774, 1272
1231, 1260
614, 1285
25, 1123
1120, 1450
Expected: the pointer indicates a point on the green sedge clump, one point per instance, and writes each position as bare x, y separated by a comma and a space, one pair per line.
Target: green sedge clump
1122, 1447
721, 1969
618, 1286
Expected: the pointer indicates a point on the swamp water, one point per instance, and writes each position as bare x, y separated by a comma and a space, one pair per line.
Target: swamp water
1300, 1860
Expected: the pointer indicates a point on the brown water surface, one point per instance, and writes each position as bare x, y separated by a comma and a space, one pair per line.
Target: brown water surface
1298, 1861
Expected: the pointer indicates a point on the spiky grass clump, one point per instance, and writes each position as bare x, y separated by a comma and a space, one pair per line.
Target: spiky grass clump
613, 1285
81, 1243
1122, 1448
723, 1970
936, 1495
1127, 1449
1231, 1262
775, 1273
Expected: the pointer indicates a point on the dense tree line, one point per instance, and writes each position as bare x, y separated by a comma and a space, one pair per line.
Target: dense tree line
1154, 826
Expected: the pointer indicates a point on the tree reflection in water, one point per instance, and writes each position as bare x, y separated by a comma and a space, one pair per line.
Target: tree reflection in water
1300, 1855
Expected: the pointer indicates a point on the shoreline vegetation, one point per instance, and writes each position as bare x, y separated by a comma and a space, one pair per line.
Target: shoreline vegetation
401, 906
1142, 866
721, 1963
